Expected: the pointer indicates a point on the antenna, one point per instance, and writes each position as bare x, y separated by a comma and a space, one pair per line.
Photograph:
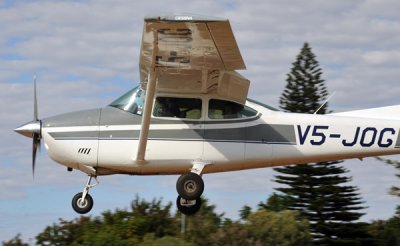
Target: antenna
329, 98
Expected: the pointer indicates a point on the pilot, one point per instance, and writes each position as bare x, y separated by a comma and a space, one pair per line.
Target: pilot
167, 107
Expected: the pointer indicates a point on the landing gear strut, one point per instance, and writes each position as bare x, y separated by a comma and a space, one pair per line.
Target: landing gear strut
82, 202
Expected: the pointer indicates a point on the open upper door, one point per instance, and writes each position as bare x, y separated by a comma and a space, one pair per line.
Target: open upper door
194, 55
188, 54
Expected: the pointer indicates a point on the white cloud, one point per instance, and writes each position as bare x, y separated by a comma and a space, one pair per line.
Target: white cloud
388, 58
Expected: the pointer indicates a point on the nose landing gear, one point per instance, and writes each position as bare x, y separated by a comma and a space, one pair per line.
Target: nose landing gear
82, 202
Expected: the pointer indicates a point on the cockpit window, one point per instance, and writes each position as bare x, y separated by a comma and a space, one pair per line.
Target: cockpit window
189, 108
132, 101
220, 109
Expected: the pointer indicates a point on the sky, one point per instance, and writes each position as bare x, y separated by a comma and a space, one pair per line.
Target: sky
85, 54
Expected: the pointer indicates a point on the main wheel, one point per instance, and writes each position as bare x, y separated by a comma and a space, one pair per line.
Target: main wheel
188, 207
82, 207
190, 186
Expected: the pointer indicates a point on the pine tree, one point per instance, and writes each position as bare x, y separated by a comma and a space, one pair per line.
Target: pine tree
318, 190
305, 90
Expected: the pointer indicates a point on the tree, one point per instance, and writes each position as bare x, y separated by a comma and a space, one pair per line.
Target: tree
276, 202
122, 227
278, 228
264, 227
305, 90
386, 233
245, 212
201, 226
65, 232
317, 190
150, 223
15, 241
151, 240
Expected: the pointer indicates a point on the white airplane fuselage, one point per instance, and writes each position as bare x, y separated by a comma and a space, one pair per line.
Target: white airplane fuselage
104, 141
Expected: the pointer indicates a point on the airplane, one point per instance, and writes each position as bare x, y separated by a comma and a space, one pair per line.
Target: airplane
190, 116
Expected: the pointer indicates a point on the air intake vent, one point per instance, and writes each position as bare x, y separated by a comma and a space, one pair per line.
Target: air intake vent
84, 151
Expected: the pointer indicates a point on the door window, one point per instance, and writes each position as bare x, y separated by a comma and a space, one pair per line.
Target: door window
221, 109
187, 108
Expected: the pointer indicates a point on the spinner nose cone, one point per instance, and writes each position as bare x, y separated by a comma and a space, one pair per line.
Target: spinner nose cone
29, 129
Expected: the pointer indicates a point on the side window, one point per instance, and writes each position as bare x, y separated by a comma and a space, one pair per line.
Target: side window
220, 109
188, 108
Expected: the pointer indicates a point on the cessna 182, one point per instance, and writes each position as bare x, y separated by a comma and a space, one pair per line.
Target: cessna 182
190, 115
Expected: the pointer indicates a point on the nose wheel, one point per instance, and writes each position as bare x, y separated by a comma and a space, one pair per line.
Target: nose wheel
82, 202
82, 206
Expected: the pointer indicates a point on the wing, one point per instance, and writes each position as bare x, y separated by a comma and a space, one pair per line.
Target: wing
188, 54
194, 55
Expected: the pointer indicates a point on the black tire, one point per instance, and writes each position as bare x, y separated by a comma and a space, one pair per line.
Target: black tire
87, 206
188, 210
190, 186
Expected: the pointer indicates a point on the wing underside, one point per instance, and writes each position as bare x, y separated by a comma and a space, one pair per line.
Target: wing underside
193, 55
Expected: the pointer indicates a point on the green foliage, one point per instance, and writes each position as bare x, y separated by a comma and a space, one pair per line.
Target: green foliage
245, 212
138, 226
276, 202
265, 228
283, 228
121, 227
235, 234
15, 241
146, 223
318, 190
65, 232
151, 240
386, 233
151, 223
204, 223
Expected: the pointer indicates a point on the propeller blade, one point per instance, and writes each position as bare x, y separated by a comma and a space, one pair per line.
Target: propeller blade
35, 147
35, 135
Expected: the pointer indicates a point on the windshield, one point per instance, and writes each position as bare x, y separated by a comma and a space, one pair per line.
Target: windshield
132, 101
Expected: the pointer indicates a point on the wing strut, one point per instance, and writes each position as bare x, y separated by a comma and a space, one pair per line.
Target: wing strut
148, 104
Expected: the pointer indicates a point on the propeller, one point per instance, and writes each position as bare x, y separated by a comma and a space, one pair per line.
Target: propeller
35, 135
32, 129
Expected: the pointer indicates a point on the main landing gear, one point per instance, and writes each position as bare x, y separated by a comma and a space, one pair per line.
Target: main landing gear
190, 187
83, 202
